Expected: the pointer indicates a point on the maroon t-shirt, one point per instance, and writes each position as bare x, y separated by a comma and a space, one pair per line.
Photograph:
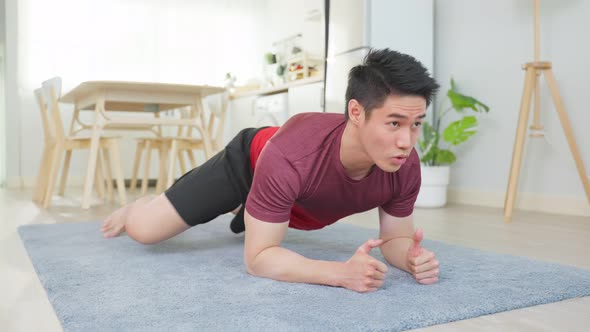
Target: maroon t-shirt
299, 176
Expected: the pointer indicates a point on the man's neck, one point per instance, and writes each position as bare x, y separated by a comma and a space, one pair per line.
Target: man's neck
353, 156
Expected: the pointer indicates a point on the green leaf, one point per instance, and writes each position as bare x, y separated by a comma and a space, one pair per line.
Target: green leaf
429, 143
445, 157
459, 131
430, 136
427, 159
460, 101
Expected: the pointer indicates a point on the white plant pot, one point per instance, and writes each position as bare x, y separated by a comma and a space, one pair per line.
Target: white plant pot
433, 191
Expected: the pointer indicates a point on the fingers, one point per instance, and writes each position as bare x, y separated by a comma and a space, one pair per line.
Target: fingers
424, 267
428, 281
427, 256
374, 283
367, 290
427, 274
380, 266
431, 265
418, 236
416, 249
376, 275
369, 245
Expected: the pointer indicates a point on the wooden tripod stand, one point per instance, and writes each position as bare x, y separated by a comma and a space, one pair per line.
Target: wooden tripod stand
533, 71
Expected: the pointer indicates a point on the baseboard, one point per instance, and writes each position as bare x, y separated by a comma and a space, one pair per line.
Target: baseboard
73, 181
524, 201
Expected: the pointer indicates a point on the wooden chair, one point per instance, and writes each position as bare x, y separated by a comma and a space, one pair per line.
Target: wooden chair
56, 143
172, 148
40, 189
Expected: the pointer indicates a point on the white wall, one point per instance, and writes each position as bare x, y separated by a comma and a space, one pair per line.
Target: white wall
482, 44
286, 18
2, 92
12, 102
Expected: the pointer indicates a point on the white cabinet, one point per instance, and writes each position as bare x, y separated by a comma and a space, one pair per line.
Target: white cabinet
306, 98
272, 110
241, 115
257, 111
266, 109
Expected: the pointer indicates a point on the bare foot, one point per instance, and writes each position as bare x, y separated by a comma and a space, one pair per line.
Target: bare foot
114, 224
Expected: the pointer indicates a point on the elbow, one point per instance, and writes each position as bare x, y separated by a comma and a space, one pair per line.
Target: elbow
250, 267
259, 266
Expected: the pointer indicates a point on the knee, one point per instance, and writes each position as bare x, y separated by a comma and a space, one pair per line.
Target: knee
139, 229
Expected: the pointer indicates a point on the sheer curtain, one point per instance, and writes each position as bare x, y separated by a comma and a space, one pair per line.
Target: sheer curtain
175, 41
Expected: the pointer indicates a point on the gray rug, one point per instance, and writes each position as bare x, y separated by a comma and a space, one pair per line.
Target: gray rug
197, 282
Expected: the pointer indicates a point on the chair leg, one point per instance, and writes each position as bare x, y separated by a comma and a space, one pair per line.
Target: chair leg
92, 161
107, 171
191, 156
163, 153
146, 170
172, 156
136, 162
181, 162
42, 175
99, 176
118, 172
52, 174
64, 173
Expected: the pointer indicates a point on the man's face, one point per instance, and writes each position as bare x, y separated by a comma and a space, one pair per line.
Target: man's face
391, 131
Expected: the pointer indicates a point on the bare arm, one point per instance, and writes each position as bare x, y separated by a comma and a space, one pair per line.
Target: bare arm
402, 248
264, 257
397, 235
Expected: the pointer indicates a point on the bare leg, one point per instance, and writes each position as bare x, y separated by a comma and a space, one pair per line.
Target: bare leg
148, 220
114, 224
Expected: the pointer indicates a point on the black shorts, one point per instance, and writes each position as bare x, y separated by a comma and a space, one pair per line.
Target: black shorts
218, 186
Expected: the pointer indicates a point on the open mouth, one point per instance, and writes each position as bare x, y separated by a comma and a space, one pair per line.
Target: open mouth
399, 160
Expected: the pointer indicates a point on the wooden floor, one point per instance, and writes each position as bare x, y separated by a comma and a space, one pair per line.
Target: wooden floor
553, 238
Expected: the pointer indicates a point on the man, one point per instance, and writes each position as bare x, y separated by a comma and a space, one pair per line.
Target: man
316, 169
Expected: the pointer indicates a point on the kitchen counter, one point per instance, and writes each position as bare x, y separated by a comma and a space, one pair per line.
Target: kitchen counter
277, 89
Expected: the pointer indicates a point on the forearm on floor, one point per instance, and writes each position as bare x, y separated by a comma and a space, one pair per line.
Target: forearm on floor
285, 265
395, 252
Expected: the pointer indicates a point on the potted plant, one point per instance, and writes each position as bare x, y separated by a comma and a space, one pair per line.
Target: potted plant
435, 156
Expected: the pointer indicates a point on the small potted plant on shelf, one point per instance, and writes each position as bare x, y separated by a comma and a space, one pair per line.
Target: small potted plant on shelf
436, 156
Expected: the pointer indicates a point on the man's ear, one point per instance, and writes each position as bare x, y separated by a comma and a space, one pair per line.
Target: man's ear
355, 111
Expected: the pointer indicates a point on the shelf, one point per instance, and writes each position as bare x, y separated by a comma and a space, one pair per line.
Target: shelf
306, 57
314, 15
277, 89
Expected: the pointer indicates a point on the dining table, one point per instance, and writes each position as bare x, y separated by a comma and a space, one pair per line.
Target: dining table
110, 101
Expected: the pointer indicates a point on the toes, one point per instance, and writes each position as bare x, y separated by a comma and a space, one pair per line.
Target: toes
112, 232
106, 223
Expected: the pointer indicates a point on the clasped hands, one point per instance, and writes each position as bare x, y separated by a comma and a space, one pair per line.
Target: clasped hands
366, 274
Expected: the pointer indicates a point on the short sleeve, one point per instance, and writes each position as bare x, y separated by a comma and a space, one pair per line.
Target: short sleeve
409, 180
275, 186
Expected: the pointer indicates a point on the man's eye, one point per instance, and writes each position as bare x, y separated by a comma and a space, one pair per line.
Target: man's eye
395, 124
417, 124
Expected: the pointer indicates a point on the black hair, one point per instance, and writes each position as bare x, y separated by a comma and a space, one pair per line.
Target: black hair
386, 72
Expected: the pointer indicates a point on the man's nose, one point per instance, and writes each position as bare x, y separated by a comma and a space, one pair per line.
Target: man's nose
404, 139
